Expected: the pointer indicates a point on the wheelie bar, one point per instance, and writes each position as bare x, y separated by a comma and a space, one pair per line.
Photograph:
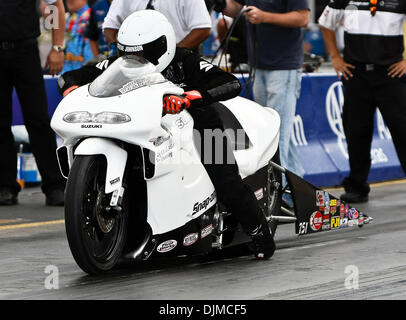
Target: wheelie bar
316, 210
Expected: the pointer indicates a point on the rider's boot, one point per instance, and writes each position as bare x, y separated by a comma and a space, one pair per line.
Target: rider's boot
262, 238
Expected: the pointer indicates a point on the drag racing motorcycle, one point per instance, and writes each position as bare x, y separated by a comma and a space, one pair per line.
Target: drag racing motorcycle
136, 186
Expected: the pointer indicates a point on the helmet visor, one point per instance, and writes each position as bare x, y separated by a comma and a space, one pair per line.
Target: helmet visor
151, 51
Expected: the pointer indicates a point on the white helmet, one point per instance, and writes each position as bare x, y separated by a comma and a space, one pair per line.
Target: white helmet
148, 33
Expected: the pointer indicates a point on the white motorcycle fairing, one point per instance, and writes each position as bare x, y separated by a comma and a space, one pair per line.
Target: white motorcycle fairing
116, 159
177, 192
261, 124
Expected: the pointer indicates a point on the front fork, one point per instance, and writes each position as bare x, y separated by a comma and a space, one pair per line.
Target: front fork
116, 158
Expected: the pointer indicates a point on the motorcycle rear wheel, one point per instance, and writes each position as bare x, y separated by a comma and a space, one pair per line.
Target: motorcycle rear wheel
96, 236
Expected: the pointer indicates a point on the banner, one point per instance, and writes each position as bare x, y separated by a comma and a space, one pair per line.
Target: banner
319, 135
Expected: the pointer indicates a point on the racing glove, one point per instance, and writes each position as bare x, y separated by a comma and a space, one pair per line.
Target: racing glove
69, 90
174, 103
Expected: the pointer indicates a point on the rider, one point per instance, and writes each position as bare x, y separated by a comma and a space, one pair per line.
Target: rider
149, 34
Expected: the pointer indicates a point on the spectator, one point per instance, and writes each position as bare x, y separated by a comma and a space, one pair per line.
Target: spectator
373, 74
404, 40
78, 49
210, 46
94, 30
275, 50
45, 39
20, 67
190, 19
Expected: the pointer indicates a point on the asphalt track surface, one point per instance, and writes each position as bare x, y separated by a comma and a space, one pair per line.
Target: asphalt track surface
311, 267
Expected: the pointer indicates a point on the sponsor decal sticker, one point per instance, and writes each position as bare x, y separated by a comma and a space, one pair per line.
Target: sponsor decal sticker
206, 66
361, 220
326, 199
342, 211
365, 219
102, 65
159, 140
333, 202
165, 152
326, 225
352, 223
335, 222
344, 223
346, 209
259, 193
180, 123
167, 246
190, 239
199, 206
303, 227
114, 181
91, 126
320, 198
316, 221
326, 222
353, 214
206, 231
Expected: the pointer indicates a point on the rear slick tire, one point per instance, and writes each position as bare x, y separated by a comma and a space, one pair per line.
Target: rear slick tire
96, 236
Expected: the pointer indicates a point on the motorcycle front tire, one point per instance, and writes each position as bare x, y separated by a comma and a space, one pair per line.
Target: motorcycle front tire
96, 239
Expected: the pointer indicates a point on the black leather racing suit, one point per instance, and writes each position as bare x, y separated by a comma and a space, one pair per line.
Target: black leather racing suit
191, 72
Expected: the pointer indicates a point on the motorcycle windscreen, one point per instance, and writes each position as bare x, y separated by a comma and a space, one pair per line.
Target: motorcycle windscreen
317, 210
124, 75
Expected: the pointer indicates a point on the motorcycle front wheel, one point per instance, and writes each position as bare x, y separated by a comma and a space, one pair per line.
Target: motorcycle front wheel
96, 233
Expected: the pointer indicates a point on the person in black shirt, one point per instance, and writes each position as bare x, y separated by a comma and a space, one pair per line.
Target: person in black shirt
373, 72
185, 67
20, 67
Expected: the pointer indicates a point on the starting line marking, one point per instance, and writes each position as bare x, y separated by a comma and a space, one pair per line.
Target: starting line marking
33, 224
5, 221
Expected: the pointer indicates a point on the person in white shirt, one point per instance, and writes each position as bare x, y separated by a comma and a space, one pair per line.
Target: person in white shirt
190, 19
